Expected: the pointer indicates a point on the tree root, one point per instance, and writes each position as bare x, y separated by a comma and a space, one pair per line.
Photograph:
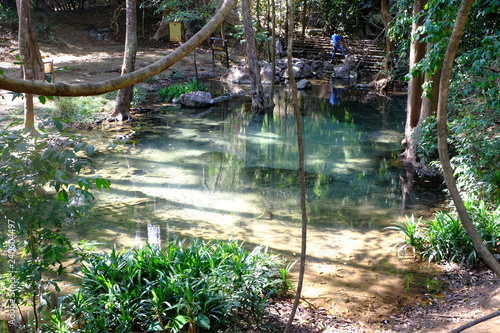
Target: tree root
475, 322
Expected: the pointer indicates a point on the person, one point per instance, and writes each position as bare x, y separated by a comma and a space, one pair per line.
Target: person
279, 47
336, 39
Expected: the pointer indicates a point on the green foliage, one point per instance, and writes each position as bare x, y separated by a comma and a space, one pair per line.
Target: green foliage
207, 286
413, 237
39, 195
168, 93
444, 239
347, 16
140, 96
79, 111
47, 34
8, 16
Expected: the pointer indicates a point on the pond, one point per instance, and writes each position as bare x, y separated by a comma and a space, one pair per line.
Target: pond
225, 173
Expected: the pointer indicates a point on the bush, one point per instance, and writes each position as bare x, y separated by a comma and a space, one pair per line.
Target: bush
444, 239
207, 285
168, 93
39, 194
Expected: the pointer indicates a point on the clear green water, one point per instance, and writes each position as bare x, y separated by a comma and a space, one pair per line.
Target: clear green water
199, 173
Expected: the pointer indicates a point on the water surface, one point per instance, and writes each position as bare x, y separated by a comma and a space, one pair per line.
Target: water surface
226, 173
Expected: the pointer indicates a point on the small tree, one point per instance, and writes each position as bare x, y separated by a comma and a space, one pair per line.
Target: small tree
29, 52
125, 95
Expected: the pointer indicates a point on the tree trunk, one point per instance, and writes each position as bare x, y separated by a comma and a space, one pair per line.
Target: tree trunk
163, 27
29, 52
273, 51
444, 86
125, 95
257, 92
302, 178
99, 88
304, 17
389, 43
430, 100
417, 52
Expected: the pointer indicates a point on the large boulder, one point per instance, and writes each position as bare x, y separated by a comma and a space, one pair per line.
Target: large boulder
240, 74
196, 99
304, 84
300, 69
346, 70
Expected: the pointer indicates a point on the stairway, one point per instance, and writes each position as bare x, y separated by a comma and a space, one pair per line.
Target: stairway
369, 53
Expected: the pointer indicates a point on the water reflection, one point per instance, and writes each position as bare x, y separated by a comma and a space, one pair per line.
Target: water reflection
228, 173
231, 165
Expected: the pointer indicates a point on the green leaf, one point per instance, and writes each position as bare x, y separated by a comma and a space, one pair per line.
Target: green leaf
58, 125
79, 146
202, 321
42, 99
179, 323
155, 327
90, 150
62, 195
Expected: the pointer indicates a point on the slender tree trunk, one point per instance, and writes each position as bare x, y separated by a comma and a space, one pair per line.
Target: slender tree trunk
273, 51
304, 17
29, 52
389, 43
257, 91
125, 95
302, 178
430, 100
444, 87
417, 52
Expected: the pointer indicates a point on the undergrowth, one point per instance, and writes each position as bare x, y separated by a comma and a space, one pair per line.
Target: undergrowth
168, 93
204, 286
444, 239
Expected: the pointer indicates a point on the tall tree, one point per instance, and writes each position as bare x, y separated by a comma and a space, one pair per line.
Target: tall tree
389, 43
414, 104
444, 87
99, 88
257, 91
125, 95
301, 173
29, 52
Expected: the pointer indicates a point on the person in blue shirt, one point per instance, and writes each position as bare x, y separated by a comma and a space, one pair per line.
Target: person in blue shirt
336, 39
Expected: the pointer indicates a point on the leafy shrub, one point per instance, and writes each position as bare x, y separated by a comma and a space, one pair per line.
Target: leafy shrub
81, 110
444, 239
207, 285
168, 93
39, 193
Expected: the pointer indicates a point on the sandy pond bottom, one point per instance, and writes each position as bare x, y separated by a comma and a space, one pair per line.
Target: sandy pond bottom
351, 272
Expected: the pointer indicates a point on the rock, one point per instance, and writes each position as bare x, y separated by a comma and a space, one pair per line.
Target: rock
196, 99
304, 84
300, 69
224, 97
346, 70
240, 74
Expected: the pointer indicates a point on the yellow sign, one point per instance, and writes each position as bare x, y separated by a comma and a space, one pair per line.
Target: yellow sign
175, 32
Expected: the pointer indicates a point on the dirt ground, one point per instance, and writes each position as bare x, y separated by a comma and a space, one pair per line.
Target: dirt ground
468, 295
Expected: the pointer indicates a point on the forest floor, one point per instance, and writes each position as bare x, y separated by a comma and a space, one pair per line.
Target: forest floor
466, 294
